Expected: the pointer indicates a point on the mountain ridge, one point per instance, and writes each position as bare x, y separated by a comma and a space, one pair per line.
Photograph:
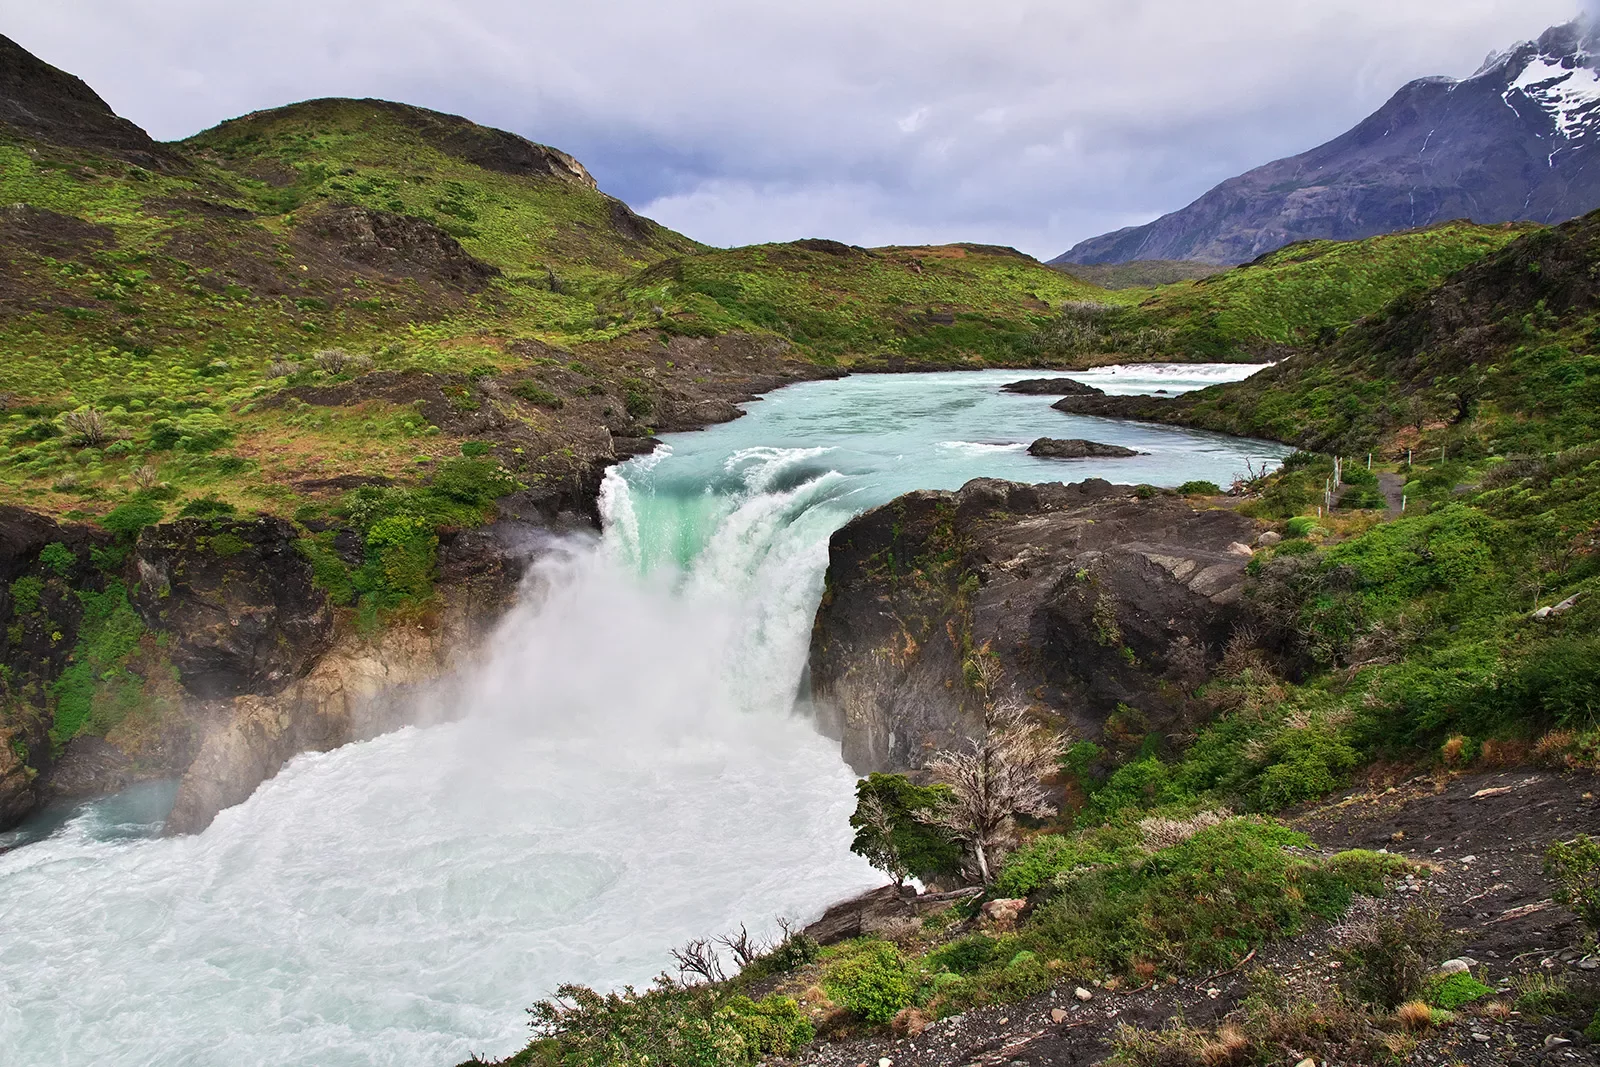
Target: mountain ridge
1509, 143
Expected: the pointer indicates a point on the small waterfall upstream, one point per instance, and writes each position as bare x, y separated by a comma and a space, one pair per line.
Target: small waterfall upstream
629, 771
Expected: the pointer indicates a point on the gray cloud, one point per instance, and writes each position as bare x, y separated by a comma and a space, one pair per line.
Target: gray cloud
874, 121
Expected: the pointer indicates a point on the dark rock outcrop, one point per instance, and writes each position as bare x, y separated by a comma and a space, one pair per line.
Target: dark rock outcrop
237, 602
1050, 387
1104, 610
1077, 448
40, 103
397, 244
1512, 142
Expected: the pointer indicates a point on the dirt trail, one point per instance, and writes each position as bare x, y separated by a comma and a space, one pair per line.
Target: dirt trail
1482, 834
1394, 492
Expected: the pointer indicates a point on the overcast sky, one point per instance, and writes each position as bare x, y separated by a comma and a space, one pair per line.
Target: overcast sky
1033, 124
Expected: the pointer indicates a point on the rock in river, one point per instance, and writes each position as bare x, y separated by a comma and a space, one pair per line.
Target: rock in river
1054, 448
1051, 387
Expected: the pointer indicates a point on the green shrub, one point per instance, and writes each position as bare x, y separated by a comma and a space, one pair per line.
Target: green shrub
1457, 990
25, 594
478, 482
1199, 488
401, 551
1573, 868
538, 395
873, 983
1036, 865
58, 558
205, 507
1302, 764
96, 690
474, 449
328, 571
666, 1026
965, 955
1299, 526
1362, 497
1386, 959
128, 519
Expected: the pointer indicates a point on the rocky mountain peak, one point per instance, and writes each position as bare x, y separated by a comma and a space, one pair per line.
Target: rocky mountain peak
1509, 143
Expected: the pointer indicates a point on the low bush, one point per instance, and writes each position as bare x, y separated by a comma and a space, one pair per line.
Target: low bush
1199, 488
538, 395
1573, 868
666, 1026
1456, 990
128, 519
1387, 958
58, 559
205, 507
873, 982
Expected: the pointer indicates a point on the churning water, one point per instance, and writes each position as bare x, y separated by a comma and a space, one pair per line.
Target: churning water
629, 772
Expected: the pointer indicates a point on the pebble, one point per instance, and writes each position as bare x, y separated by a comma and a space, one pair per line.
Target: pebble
1058, 1015
1307, 1062
1484, 1038
1454, 967
1555, 1042
1083, 994
885, 1062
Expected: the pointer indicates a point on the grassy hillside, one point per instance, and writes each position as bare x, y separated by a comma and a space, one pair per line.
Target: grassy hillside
1498, 360
1297, 296
920, 305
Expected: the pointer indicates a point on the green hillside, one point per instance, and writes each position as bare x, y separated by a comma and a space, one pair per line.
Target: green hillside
1297, 296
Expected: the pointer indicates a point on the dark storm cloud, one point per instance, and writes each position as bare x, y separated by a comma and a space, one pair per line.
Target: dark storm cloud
874, 121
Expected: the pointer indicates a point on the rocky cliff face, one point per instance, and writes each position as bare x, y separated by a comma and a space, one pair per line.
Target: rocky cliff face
1512, 142
206, 652
1105, 611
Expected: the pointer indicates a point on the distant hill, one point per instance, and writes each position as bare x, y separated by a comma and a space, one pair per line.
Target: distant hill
1141, 273
1512, 142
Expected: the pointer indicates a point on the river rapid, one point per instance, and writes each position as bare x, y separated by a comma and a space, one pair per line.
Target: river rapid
631, 768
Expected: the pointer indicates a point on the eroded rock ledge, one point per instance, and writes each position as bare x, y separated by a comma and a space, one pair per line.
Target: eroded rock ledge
1105, 610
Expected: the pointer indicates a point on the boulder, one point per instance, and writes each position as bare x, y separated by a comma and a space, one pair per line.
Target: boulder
1051, 387
1054, 448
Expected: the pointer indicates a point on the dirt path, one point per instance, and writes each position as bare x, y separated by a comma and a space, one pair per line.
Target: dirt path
1394, 491
1482, 834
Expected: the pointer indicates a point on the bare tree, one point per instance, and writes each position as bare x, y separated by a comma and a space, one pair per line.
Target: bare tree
1000, 777
89, 426
698, 958
146, 477
745, 949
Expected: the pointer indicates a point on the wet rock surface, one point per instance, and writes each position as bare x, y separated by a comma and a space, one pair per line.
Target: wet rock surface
237, 602
1092, 599
1051, 387
1076, 448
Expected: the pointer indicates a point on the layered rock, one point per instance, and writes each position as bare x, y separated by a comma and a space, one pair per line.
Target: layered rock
1104, 610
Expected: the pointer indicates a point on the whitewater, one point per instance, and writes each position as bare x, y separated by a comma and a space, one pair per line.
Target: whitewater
632, 767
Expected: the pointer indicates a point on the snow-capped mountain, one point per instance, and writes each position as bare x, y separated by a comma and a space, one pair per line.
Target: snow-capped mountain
1519, 139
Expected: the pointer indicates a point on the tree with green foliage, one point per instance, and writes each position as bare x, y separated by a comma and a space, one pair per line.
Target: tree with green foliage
897, 830
1574, 868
